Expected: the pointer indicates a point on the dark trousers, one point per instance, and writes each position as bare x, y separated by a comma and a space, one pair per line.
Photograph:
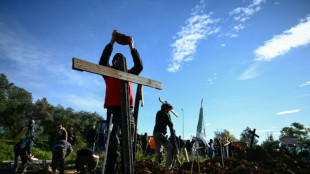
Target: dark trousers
58, 159
22, 153
115, 142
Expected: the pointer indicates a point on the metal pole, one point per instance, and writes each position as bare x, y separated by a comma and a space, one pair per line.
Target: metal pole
183, 123
221, 151
107, 143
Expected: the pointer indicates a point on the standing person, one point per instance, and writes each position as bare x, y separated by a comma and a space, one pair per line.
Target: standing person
71, 136
211, 149
92, 137
144, 142
61, 133
152, 146
22, 149
86, 157
113, 99
60, 150
102, 140
31, 127
162, 121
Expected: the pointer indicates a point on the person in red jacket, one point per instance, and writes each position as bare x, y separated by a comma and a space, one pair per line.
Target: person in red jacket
113, 99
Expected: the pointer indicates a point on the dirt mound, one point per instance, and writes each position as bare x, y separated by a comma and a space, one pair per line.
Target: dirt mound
256, 161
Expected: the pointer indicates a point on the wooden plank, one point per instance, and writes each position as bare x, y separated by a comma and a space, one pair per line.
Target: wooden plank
135, 115
126, 126
82, 65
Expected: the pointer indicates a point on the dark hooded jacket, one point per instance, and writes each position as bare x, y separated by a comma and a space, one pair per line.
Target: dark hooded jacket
162, 121
112, 97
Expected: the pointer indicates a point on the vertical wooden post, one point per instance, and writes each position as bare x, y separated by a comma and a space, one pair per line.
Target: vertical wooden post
135, 114
252, 137
126, 131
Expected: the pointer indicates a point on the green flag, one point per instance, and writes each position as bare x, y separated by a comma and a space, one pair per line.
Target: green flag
201, 132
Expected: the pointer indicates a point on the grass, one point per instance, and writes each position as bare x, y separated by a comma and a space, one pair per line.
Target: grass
7, 152
42, 150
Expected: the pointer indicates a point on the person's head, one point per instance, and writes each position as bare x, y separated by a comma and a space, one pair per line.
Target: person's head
166, 107
58, 126
116, 59
93, 127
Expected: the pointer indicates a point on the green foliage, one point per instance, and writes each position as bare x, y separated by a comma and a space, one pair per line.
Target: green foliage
15, 106
270, 143
41, 153
296, 130
224, 135
7, 149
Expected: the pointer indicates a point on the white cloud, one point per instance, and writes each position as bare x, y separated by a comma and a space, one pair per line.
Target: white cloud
305, 84
233, 35
238, 27
296, 36
264, 131
223, 45
251, 72
207, 124
212, 79
288, 112
197, 28
36, 63
241, 14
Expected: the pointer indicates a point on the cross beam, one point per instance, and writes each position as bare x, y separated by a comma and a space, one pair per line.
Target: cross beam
127, 156
252, 136
82, 65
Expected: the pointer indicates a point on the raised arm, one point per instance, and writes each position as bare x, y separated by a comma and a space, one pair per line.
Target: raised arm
105, 56
138, 66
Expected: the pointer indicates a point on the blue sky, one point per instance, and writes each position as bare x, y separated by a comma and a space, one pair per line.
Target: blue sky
248, 59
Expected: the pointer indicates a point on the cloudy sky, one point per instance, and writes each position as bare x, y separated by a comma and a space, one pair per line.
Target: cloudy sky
248, 59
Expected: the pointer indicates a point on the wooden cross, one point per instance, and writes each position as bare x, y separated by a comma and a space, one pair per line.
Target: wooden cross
124, 77
252, 136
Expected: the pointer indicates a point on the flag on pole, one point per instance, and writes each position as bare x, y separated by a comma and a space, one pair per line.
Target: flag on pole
201, 133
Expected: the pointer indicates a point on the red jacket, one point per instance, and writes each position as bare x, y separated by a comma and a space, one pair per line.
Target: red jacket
113, 95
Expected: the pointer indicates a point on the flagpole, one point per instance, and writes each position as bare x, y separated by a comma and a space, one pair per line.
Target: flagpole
183, 123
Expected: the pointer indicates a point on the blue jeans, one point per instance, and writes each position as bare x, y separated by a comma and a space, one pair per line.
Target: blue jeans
91, 145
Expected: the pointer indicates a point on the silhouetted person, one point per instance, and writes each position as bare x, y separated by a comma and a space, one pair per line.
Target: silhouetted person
92, 138
60, 150
113, 99
22, 149
86, 157
144, 142
61, 133
162, 121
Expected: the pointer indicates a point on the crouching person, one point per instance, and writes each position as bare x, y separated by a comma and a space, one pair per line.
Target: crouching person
60, 150
86, 157
22, 149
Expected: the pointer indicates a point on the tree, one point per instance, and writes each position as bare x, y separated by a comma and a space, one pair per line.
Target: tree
15, 106
224, 135
270, 143
245, 136
296, 130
